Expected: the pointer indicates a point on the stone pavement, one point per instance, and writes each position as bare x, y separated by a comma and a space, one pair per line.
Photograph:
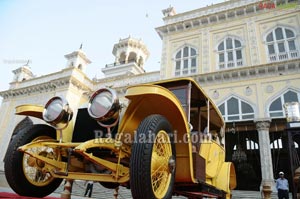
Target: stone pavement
100, 192
78, 190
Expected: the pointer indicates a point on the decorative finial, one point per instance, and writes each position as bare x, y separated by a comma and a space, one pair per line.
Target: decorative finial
80, 48
27, 63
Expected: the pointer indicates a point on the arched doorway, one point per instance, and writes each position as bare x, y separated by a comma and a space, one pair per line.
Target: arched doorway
242, 149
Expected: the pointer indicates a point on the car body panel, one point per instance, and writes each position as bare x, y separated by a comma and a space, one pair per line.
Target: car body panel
152, 99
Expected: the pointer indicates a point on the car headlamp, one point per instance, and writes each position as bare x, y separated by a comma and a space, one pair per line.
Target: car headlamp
104, 106
57, 111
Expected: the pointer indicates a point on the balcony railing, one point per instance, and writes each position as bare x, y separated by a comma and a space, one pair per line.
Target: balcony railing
294, 54
221, 65
231, 64
121, 63
239, 62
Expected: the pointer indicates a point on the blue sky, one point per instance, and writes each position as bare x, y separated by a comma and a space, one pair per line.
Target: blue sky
44, 31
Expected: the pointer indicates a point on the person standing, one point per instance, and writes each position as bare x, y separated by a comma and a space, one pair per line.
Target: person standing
282, 186
89, 188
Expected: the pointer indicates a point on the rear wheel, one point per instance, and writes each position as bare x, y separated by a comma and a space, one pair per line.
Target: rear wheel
152, 163
24, 173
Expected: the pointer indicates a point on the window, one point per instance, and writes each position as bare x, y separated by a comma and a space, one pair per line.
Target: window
276, 144
251, 145
276, 106
186, 61
281, 44
230, 53
181, 94
235, 109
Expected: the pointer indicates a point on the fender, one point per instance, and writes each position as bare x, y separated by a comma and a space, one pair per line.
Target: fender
37, 112
153, 99
227, 173
30, 110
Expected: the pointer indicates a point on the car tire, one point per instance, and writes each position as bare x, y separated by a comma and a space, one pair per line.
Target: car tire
153, 159
37, 184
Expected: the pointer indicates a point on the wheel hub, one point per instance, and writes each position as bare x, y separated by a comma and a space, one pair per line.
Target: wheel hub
171, 164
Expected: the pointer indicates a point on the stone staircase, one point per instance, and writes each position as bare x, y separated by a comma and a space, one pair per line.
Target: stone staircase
239, 194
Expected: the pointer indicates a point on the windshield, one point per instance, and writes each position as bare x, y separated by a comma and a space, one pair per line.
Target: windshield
181, 93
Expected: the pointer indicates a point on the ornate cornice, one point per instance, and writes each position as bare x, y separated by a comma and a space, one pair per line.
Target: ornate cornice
250, 72
79, 85
219, 13
221, 76
38, 88
125, 81
79, 53
48, 86
24, 69
209, 10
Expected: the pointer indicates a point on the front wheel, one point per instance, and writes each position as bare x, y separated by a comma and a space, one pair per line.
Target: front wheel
152, 162
25, 174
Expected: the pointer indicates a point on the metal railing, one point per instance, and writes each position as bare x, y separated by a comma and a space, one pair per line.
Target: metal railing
294, 54
121, 63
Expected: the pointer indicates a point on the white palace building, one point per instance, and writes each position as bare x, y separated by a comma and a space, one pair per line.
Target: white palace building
244, 53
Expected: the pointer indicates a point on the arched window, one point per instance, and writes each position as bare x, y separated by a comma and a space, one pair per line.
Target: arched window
132, 57
140, 61
276, 106
235, 109
122, 58
230, 53
186, 61
276, 144
281, 44
251, 145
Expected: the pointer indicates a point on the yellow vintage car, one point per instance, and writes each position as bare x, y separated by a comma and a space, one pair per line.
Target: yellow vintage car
167, 139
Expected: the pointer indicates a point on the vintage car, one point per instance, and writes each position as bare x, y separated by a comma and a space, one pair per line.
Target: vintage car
166, 139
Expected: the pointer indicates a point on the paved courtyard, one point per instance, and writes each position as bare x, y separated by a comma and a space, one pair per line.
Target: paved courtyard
100, 192
78, 190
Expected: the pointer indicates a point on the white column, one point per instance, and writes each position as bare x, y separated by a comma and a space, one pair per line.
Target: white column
263, 126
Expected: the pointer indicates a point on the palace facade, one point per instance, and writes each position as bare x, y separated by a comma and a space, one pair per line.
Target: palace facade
244, 53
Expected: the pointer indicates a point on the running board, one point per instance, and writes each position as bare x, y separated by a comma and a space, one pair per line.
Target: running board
198, 190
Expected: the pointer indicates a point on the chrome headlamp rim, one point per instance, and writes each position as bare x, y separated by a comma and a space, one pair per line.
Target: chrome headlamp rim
113, 109
65, 114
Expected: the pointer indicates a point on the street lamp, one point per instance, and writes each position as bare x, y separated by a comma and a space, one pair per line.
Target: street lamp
292, 113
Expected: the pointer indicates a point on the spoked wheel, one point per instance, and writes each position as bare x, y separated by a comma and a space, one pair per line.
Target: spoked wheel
33, 168
26, 175
152, 163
